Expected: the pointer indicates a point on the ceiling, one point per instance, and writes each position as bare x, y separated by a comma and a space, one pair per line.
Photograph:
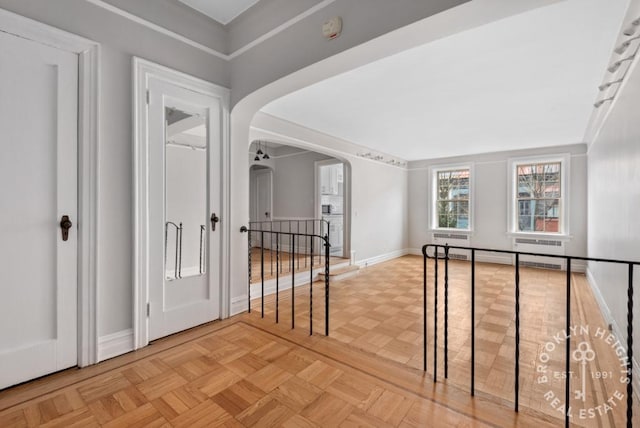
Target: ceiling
223, 11
526, 81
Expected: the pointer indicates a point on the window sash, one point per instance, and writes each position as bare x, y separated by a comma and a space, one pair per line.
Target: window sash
538, 197
452, 212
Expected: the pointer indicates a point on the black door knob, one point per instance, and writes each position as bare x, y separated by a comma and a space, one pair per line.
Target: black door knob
65, 225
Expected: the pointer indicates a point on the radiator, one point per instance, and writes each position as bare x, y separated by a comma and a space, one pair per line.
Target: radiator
455, 240
546, 246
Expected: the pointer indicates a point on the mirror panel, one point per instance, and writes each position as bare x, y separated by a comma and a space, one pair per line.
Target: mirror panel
186, 216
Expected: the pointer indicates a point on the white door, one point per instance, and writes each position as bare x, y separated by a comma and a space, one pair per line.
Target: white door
263, 204
185, 189
38, 184
263, 194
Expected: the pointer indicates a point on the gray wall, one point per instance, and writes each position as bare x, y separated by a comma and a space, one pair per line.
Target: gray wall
180, 18
614, 204
490, 204
302, 44
294, 185
378, 205
120, 40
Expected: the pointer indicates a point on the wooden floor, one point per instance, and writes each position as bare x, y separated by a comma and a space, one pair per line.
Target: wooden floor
248, 371
380, 312
302, 263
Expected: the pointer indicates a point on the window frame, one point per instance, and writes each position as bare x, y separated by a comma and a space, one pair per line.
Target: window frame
433, 203
512, 197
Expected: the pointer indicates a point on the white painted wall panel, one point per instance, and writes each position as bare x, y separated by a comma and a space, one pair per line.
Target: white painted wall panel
614, 203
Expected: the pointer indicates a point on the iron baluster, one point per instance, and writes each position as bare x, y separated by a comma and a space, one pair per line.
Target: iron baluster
249, 284
293, 281
473, 322
446, 311
517, 351
630, 348
567, 382
424, 309
310, 291
262, 273
326, 285
277, 277
435, 319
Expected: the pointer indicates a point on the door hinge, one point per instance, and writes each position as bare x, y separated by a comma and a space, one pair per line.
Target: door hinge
147, 96
148, 309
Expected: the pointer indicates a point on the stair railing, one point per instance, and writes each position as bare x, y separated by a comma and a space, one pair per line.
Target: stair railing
436, 255
293, 240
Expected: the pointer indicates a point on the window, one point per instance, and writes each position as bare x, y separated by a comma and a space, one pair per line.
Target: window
539, 195
452, 198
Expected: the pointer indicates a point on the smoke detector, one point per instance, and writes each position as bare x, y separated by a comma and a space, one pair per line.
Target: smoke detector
332, 28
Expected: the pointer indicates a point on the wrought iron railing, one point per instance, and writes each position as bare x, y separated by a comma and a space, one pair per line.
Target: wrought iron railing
293, 240
303, 227
436, 255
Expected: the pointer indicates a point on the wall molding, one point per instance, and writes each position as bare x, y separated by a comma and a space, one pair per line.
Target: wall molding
114, 344
227, 57
382, 258
160, 29
239, 305
615, 328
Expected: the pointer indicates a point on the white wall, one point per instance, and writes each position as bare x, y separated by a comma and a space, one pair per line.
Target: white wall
614, 205
120, 40
490, 198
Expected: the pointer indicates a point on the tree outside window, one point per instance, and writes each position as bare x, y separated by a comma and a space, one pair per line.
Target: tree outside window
539, 197
452, 203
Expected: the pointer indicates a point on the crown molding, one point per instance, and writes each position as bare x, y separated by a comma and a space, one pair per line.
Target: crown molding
227, 57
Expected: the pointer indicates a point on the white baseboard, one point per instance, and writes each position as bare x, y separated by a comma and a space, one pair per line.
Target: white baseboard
301, 278
415, 251
616, 330
239, 305
578, 266
502, 259
112, 345
382, 258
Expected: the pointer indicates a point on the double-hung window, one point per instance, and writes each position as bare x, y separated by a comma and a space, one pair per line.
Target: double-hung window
539, 195
452, 198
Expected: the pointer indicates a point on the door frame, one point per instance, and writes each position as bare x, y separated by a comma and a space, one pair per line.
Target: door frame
88, 53
346, 199
144, 70
258, 171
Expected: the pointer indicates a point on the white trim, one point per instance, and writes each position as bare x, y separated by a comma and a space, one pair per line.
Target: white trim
496, 258
280, 28
158, 28
239, 305
88, 167
142, 71
227, 57
382, 258
432, 186
118, 343
541, 235
616, 330
565, 194
343, 153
